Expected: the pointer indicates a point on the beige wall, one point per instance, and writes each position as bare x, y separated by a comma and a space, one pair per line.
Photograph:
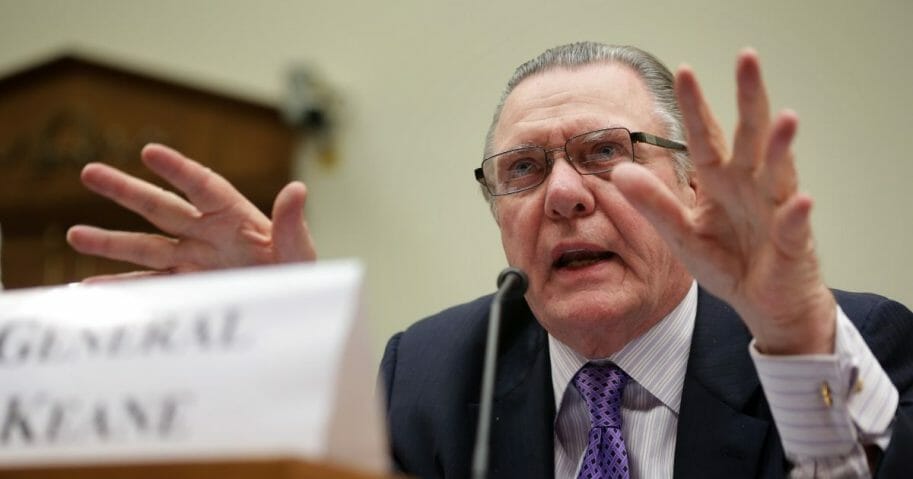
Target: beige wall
420, 78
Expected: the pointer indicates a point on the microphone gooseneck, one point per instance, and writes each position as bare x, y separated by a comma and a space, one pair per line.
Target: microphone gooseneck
512, 283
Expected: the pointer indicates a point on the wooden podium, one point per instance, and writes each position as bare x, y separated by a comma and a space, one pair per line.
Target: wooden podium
71, 110
257, 469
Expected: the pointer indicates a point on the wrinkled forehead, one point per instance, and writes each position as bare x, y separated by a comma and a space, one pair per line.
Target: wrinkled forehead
549, 107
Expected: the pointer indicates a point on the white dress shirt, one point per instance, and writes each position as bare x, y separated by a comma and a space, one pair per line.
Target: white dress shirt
821, 440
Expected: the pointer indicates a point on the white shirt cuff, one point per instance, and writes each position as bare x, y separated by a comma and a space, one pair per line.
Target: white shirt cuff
824, 405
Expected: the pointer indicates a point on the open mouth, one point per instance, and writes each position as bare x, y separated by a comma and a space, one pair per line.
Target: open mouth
575, 259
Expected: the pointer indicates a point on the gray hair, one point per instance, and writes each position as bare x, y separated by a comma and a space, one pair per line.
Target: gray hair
658, 79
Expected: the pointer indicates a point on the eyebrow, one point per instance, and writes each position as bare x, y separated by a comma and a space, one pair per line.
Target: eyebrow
523, 145
580, 131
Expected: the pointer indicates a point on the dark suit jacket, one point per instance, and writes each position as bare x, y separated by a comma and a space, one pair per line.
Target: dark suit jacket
433, 370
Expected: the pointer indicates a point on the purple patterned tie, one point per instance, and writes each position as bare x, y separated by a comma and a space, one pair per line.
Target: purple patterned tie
601, 386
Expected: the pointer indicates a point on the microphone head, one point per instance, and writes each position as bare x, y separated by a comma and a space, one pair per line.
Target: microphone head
517, 282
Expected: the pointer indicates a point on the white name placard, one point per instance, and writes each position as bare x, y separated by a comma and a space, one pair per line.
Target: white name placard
248, 363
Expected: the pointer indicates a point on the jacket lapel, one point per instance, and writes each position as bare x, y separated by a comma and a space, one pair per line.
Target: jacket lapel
724, 424
724, 427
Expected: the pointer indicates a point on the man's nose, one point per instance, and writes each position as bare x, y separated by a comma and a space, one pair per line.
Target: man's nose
567, 194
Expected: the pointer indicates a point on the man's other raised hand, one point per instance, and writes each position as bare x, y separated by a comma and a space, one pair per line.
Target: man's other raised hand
212, 227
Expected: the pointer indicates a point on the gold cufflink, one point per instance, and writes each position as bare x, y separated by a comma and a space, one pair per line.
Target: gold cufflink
826, 394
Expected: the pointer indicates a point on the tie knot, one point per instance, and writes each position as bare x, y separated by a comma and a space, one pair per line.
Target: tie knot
601, 386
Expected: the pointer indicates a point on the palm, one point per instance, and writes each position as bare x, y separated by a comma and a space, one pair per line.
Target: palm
236, 236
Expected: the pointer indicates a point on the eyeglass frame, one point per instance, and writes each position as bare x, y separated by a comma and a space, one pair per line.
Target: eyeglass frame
635, 137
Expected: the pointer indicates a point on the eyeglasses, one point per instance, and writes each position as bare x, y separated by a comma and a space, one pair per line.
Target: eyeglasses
590, 153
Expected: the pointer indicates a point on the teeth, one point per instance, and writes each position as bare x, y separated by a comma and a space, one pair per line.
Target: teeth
582, 262
579, 259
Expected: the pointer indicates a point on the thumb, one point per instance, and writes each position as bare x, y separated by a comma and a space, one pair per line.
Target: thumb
291, 237
653, 199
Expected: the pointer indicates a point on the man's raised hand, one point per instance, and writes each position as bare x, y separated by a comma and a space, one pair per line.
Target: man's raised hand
748, 239
214, 227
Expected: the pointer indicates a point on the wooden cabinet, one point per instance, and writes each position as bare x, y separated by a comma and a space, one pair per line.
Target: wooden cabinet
60, 115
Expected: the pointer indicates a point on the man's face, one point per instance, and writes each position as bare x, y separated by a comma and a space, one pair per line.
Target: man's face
596, 267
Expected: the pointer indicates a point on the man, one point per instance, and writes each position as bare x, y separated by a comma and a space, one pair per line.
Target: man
616, 222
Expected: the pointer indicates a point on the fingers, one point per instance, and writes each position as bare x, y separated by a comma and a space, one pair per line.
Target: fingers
778, 176
760, 172
706, 141
207, 190
107, 278
291, 237
162, 208
792, 227
148, 250
754, 113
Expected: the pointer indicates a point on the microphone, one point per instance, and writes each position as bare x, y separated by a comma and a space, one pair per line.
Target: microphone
512, 283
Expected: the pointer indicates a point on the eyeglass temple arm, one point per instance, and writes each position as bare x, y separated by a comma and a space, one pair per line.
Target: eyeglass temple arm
480, 176
658, 141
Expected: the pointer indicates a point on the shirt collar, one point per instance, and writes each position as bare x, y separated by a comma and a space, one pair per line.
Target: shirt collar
656, 360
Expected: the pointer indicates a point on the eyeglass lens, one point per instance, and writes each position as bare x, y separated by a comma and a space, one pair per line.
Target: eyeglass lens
589, 153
